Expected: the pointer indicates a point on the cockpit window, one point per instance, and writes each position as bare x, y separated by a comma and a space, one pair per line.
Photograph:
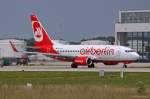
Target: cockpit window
129, 51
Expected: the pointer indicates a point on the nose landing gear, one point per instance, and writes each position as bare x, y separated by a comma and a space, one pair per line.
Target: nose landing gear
124, 66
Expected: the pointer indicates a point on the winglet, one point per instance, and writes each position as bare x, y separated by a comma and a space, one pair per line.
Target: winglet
13, 47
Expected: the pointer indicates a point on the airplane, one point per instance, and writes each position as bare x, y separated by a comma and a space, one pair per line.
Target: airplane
80, 54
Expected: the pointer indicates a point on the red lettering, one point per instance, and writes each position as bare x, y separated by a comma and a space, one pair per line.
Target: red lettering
82, 51
98, 51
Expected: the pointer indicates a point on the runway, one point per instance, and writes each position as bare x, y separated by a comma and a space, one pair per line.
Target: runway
135, 67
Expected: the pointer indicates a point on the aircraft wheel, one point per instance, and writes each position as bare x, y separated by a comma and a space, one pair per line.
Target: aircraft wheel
91, 66
74, 65
124, 66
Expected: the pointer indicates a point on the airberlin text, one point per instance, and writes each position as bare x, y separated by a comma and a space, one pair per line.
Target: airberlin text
97, 51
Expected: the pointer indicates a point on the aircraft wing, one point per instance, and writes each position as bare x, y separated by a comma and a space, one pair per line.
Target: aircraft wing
66, 57
56, 56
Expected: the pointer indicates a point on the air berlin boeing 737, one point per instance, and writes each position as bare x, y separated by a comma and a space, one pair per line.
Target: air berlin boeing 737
80, 54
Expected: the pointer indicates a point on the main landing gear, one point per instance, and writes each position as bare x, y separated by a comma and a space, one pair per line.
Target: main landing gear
124, 66
91, 66
73, 65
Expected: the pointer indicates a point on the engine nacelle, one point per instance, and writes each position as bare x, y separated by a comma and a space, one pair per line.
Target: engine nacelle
110, 63
82, 61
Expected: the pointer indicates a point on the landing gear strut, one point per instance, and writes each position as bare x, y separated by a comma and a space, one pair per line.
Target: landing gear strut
74, 65
91, 66
124, 66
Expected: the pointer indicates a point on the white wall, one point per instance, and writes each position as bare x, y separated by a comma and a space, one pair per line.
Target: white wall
132, 27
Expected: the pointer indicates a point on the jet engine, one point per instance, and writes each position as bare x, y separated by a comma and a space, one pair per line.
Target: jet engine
83, 61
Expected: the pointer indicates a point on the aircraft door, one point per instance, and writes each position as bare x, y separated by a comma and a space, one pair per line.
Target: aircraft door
118, 52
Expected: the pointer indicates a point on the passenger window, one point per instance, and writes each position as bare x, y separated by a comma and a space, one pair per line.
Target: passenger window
129, 51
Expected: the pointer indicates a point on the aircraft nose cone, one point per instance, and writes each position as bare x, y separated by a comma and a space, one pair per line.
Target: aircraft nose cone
136, 56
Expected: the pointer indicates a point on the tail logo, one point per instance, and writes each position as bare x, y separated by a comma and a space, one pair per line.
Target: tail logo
38, 35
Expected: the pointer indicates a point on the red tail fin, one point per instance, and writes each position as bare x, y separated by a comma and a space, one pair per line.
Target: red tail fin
40, 35
42, 39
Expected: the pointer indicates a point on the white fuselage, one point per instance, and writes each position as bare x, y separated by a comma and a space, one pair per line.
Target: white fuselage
98, 52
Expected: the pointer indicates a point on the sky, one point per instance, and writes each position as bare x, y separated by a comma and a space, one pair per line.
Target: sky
71, 20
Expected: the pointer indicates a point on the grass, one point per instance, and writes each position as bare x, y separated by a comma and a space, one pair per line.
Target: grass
72, 85
69, 92
73, 78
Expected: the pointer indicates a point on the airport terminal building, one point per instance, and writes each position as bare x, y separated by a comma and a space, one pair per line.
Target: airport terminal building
133, 30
